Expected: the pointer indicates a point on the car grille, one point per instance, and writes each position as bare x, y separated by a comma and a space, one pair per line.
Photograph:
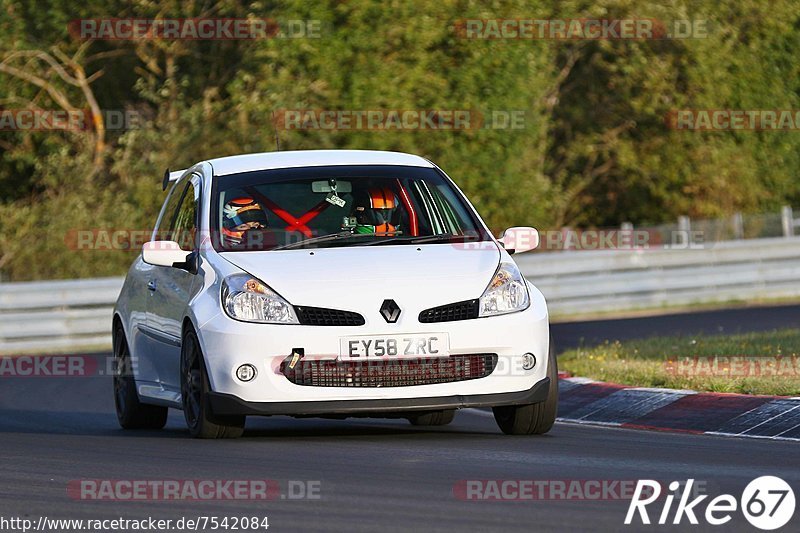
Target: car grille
390, 372
319, 316
450, 312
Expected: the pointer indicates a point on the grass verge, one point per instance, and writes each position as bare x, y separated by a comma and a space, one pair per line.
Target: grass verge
748, 363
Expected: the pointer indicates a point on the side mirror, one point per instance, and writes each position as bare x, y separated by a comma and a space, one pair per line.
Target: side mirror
520, 239
168, 254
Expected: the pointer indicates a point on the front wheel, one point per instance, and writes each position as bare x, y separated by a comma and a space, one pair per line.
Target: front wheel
194, 396
535, 418
131, 412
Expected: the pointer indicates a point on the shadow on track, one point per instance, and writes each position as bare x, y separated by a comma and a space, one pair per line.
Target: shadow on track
104, 424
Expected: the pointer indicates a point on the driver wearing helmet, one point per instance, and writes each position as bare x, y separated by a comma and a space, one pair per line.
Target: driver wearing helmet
239, 216
374, 210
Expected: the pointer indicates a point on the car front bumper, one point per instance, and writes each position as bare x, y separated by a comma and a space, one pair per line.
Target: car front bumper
228, 343
226, 404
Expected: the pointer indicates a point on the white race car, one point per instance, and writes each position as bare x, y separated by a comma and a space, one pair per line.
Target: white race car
328, 283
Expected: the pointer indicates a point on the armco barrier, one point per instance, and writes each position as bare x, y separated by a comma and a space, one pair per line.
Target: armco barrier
56, 315
608, 280
72, 315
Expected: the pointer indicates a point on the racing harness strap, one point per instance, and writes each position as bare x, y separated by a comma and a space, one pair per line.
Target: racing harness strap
294, 224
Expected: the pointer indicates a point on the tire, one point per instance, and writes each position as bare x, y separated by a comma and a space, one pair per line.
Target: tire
195, 386
536, 418
433, 418
131, 413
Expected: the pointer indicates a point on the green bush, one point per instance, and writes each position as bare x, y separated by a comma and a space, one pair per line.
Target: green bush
594, 149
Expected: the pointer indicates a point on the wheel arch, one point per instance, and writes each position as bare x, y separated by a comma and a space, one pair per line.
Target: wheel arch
117, 320
187, 325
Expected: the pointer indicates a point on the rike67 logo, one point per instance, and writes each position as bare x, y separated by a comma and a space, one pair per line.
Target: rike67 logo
767, 503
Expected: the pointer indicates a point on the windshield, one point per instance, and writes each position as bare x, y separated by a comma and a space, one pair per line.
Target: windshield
338, 206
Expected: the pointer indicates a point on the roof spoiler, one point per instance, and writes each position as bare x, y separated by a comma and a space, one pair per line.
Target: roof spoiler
169, 177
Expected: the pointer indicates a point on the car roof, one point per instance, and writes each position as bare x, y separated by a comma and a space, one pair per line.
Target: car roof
224, 166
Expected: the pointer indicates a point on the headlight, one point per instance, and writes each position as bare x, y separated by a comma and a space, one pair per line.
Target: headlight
507, 293
246, 298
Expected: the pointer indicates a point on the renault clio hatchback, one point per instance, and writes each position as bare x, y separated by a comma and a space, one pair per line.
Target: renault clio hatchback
333, 284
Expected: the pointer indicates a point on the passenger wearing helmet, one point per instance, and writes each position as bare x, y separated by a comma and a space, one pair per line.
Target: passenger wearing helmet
374, 210
239, 216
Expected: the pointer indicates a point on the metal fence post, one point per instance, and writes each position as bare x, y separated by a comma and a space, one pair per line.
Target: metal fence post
567, 243
738, 226
787, 221
684, 231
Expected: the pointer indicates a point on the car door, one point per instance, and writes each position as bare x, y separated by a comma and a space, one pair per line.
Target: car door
172, 288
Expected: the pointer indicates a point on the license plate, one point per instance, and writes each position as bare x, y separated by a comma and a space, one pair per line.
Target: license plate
388, 346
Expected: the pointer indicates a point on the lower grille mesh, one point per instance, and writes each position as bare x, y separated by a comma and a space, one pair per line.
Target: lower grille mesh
390, 372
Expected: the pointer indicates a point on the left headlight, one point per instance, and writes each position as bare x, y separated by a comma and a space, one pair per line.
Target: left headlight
507, 292
251, 300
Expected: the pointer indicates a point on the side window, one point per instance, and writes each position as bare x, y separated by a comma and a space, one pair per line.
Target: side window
184, 224
163, 231
179, 222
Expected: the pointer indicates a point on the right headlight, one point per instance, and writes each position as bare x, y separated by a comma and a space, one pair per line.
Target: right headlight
507, 292
249, 299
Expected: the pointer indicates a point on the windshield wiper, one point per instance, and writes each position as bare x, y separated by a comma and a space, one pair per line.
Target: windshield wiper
427, 239
407, 239
324, 238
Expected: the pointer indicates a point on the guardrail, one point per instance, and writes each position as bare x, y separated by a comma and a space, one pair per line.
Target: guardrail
57, 315
600, 281
72, 315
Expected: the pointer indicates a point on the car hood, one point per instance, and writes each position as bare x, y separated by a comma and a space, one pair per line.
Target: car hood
361, 277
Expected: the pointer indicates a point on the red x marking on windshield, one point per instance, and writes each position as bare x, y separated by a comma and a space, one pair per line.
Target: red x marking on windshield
294, 224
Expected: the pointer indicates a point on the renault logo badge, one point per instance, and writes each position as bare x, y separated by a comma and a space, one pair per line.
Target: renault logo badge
390, 311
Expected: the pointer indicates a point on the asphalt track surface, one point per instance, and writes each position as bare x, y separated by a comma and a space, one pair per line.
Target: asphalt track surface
716, 322
374, 475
